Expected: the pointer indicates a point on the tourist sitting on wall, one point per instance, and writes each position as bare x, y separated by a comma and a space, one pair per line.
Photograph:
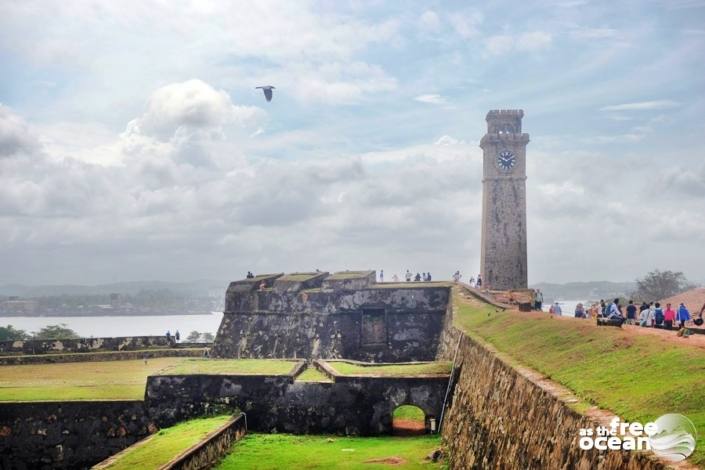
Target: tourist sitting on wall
580, 311
417, 278
668, 317
682, 316
614, 315
658, 316
614, 311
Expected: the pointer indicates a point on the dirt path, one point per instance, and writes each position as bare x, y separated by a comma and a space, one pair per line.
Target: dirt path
408, 427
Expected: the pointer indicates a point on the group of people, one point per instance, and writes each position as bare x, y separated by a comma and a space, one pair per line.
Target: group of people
425, 277
472, 282
176, 337
648, 314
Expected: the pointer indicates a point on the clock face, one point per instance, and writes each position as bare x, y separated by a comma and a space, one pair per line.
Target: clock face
506, 160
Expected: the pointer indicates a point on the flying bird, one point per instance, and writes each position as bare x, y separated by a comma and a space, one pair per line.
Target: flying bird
267, 89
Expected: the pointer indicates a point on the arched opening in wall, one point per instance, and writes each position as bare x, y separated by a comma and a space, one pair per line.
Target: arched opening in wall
408, 420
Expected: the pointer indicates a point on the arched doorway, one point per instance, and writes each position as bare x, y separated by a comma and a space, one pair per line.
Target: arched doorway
408, 420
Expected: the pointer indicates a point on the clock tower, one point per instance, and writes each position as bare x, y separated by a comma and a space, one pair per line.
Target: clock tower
503, 262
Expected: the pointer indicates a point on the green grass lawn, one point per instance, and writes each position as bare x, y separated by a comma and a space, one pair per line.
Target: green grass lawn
166, 444
639, 377
410, 413
286, 451
392, 370
115, 380
232, 366
311, 374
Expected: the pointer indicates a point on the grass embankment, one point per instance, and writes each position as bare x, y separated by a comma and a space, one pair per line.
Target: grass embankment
311, 374
278, 451
166, 444
232, 366
115, 380
639, 377
391, 370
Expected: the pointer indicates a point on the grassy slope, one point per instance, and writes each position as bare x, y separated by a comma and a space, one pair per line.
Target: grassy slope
431, 368
233, 366
167, 444
639, 377
311, 374
278, 451
114, 380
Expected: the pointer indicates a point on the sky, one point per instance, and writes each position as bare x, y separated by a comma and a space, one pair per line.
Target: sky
134, 145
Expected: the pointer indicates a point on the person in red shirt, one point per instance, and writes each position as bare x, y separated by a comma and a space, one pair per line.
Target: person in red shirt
668, 317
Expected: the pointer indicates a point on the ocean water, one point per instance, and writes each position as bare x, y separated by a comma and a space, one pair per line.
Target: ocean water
148, 325
567, 306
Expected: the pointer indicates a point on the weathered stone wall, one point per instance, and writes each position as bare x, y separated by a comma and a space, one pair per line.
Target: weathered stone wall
71, 435
127, 343
502, 418
350, 405
320, 323
211, 450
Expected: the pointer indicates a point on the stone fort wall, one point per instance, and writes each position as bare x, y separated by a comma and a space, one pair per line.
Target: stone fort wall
504, 417
70, 435
349, 405
345, 315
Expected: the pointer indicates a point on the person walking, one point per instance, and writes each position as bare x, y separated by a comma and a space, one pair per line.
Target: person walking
478, 283
381, 275
682, 316
538, 300
428, 277
668, 317
177, 336
557, 310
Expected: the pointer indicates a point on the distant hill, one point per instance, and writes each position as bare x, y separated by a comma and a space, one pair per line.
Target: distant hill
199, 288
590, 290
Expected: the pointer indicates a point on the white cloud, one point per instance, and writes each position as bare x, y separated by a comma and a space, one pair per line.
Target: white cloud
593, 33
534, 41
431, 99
429, 21
466, 24
642, 106
15, 136
190, 106
499, 44
531, 41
